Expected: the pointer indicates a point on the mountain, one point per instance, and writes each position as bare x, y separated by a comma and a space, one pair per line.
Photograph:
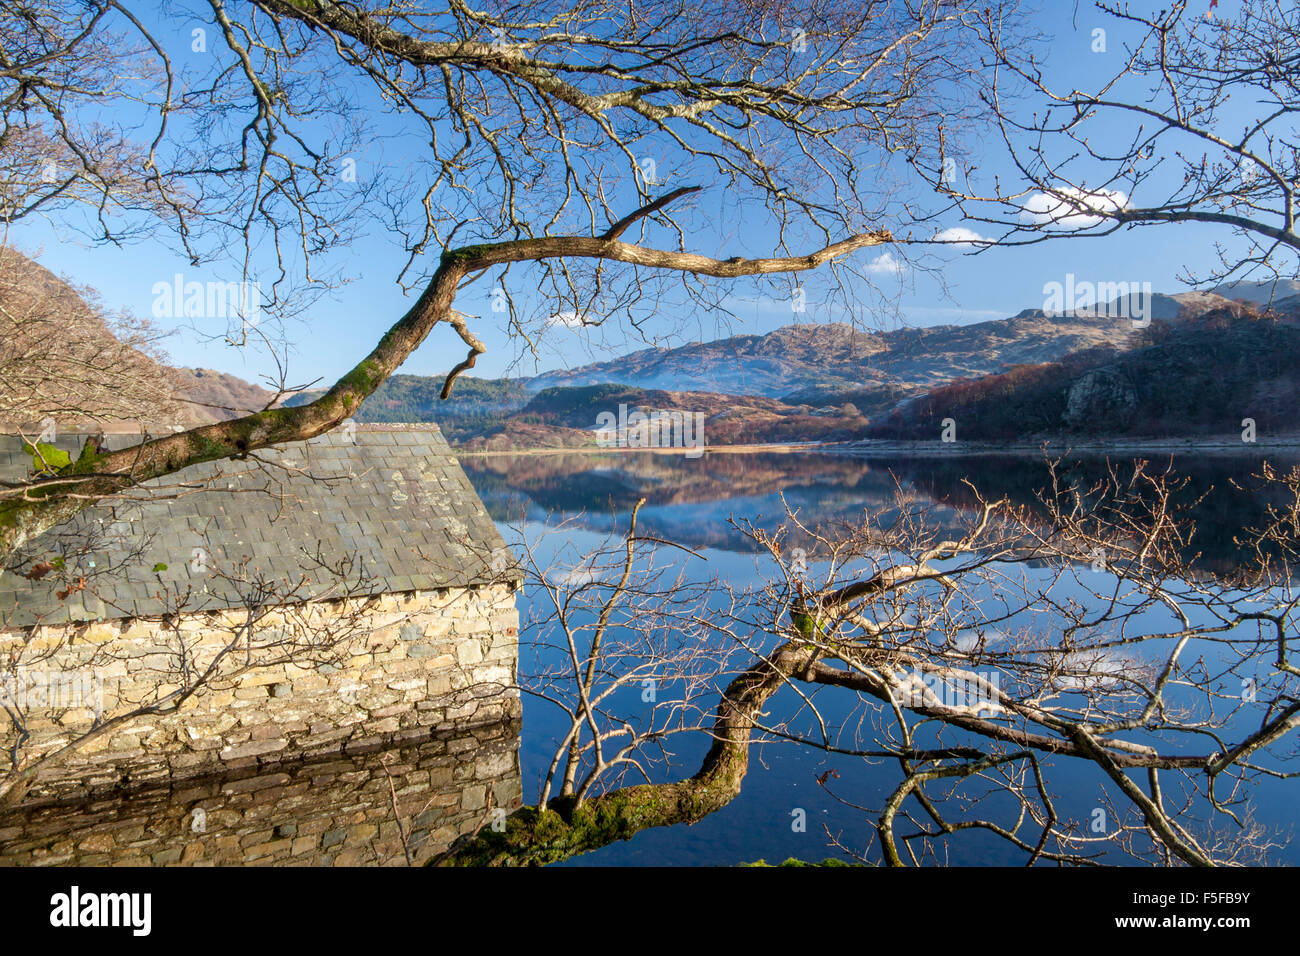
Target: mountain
803, 382
1201, 376
799, 383
819, 361
1262, 293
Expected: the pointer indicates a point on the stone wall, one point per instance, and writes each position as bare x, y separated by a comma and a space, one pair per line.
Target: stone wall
360, 808
313, 679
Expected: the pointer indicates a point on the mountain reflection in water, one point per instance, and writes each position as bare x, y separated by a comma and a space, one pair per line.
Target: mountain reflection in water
339, 810
690, 501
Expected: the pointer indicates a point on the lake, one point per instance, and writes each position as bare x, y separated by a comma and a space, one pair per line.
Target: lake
340, 811
697, 503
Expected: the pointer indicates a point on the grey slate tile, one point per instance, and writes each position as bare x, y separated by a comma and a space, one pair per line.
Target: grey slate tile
436, 513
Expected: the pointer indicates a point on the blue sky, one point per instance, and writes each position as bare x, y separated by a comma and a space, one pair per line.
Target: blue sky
343, 327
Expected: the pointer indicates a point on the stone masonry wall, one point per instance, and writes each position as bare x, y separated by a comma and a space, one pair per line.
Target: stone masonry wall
408, 664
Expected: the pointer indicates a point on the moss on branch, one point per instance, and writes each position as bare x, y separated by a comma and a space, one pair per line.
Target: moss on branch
533, 836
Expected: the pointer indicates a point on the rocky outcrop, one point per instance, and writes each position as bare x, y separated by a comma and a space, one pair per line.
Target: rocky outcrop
1103, 395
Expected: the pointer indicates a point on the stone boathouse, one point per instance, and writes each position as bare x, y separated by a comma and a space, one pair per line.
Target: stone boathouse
323, 597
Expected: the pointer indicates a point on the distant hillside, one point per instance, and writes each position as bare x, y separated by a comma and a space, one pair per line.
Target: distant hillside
870, 402
818, 361
65, 358
849, 379
568, 418
1262, 293
474, 404
1198, 377
220, 396
1028, 374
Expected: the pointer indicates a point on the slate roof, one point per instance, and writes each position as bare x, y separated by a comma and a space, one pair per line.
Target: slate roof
388, 511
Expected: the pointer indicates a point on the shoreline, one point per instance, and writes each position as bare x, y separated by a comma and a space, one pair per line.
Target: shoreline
873, 448
784, 448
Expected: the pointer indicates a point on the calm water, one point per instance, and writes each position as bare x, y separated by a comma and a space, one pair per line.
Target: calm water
325, 812
691, 502
340, 811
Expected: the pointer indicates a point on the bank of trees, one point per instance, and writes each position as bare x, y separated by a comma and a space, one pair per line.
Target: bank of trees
1196, 377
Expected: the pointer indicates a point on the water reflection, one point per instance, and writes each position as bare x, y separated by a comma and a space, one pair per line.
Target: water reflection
341, 811
689, 501
374, 807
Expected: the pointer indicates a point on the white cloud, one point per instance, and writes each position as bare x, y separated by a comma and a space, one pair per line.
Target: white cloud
567, 319
961, 236
1072, 208
971, 640
1092, 669
887, 264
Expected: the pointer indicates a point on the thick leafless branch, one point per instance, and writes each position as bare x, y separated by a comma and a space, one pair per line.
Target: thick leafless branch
981, 660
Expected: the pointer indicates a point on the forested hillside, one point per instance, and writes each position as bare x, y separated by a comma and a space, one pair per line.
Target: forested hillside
1197, 377
474, 404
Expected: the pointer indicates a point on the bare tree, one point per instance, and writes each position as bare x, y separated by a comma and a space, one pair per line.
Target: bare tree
623, 626
65, 361
56, 58
546, 126
1196, 124
978, 663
